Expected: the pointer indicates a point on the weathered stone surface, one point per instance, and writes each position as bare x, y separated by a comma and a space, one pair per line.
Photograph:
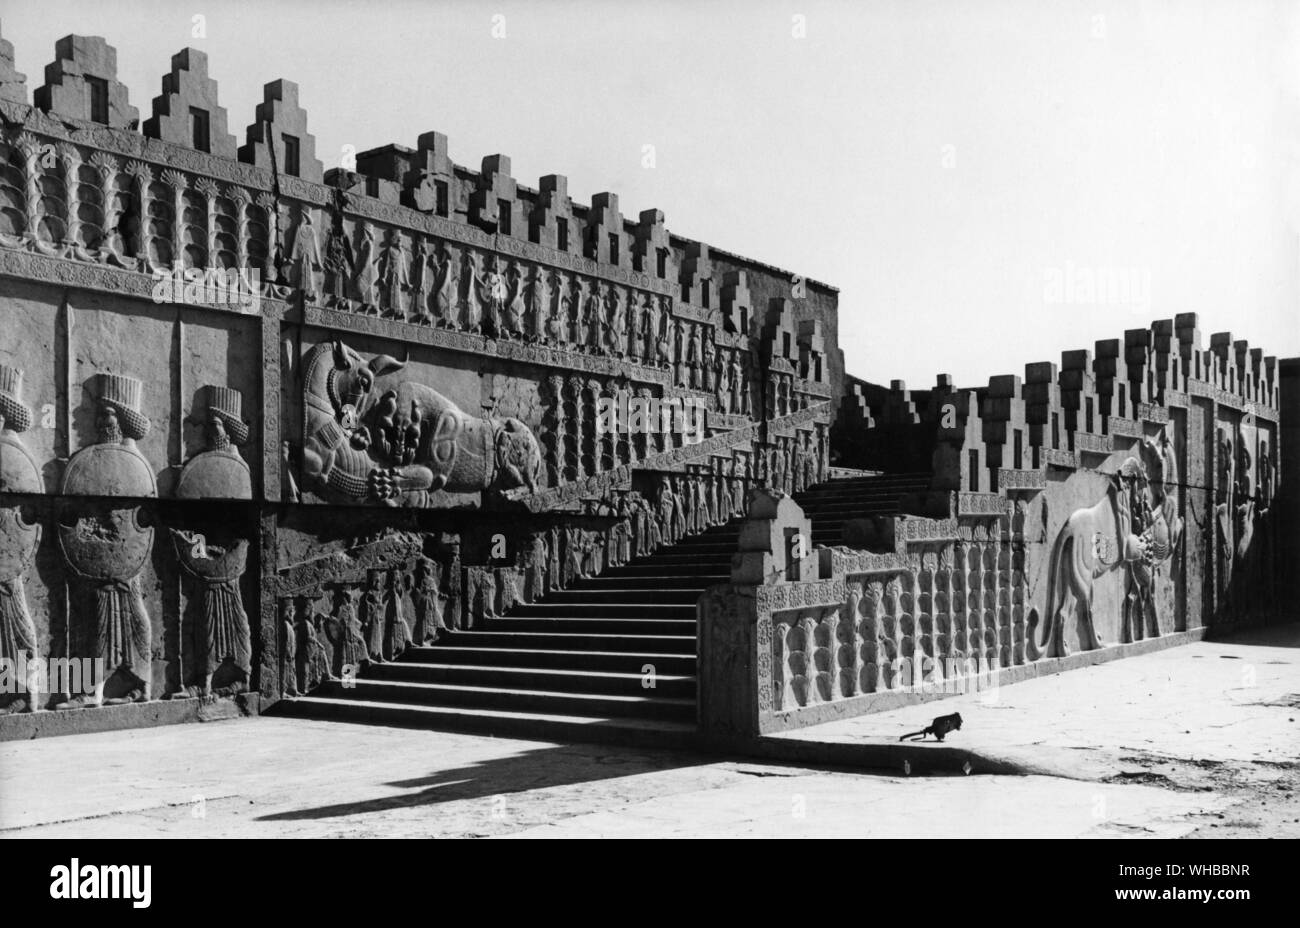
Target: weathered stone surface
188, 92
13, 85
81, 61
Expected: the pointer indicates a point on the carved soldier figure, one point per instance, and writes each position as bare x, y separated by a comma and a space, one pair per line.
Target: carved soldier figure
19, 540
492, 296
720, 383
693, 354
649, 327
448, 287
347, 636
217, 565
614, 332
1264, 489
311, 660
421, 282
593, 318
746, 404
373, 600
474, 282
556, 307
107, 545
288, 648
679, 354
397, 634
425, 593
304, 258
365, 280
539, 304
395, 272
572, 303
682, 512
337, 263
535, 567
808, 462
734, 382
707, 359
664, 341
515, 308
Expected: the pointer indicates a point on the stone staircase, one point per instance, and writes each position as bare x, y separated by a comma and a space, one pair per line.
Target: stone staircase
578, 664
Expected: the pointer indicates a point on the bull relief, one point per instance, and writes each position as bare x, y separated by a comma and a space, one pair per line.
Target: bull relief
1134, 529
214, 558
404, 445
107, 544
19, 538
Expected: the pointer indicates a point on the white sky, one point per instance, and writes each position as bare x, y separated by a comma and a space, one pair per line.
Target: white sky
934, 160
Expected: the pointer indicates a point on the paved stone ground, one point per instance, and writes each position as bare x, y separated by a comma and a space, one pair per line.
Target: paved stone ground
1202, 740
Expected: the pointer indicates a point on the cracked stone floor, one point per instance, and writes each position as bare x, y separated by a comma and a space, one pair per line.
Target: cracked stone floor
1199, 740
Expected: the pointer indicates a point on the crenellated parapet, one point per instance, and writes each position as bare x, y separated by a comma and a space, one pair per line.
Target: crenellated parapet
187, 112
13, 84
272, 419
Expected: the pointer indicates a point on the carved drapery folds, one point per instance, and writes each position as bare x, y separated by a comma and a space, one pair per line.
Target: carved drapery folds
19, 539
106, 544
214, 558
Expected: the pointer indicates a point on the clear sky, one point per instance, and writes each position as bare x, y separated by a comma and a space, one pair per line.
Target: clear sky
961, 170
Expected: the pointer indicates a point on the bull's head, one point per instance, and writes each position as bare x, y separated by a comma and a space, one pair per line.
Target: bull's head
354, 377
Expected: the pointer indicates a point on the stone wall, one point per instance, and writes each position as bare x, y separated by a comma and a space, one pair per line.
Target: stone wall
261, 419
1107, 507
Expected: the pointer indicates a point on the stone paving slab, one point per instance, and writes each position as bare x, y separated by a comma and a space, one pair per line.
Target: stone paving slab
1208, 701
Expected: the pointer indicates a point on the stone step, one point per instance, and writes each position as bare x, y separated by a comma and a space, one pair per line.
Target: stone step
661, 581
689, 568
621, 596
495, 723
643, 605
610, 661
676, 686
598, 625
569, 641
596, 705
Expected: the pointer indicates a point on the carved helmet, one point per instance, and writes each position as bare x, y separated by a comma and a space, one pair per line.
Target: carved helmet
122, 394
226, 404
17, 414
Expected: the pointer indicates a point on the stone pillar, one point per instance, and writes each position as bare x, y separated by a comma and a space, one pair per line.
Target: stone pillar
735, 630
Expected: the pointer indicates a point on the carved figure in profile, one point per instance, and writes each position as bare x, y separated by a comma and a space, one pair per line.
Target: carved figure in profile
374, 601
422, 282
365, 276
311, 659
347, 635
474, 288
217, 564
19, 540
617, 326
516, 307
395, 273
337, 263
397, 634
426, 596
105, 543
539, 303
593, 318
493, 294
448, 282
304, 258
557, 307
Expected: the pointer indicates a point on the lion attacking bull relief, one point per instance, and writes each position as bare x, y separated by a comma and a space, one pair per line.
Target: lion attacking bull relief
401, 445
